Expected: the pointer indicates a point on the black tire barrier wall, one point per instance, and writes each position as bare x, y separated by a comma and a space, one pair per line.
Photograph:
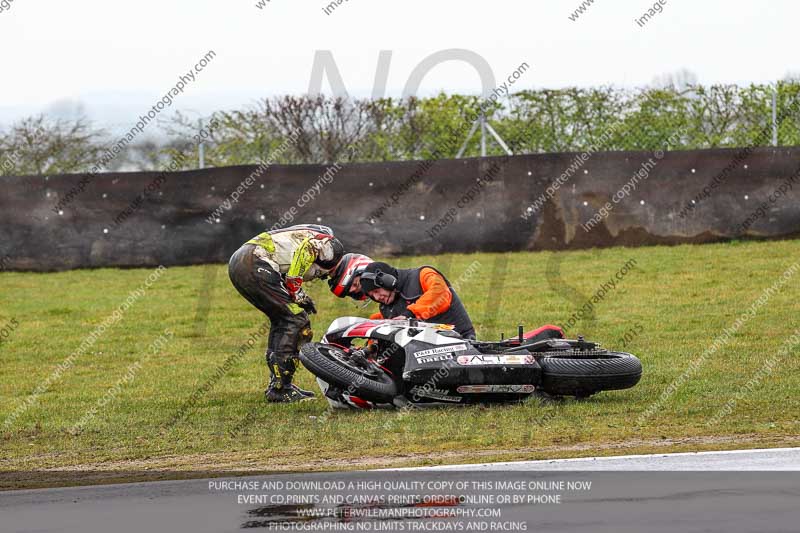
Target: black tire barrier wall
147, 218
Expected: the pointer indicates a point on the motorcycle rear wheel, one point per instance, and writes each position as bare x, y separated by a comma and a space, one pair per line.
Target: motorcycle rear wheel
581, 376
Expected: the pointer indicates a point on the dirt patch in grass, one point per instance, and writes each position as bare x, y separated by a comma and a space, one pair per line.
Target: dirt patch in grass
250, 463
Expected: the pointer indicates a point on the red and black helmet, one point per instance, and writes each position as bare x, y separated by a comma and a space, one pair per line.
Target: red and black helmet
341, 279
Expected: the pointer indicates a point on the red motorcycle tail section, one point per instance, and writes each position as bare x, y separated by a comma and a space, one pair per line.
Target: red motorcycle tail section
544, 332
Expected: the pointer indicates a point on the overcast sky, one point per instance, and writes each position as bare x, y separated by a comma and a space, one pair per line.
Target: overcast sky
117, 57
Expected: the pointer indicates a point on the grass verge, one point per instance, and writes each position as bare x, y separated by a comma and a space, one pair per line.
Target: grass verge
112, 409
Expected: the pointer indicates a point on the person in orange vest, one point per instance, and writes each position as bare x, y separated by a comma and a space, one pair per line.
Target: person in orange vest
422, 293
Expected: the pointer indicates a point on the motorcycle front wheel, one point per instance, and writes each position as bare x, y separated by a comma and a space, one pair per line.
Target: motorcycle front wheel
330, 364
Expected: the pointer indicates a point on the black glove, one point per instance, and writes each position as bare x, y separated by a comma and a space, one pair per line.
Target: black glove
309, 307
305, 302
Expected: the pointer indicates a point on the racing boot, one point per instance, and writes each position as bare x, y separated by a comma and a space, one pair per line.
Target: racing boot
281, 389
286, 395
303, 392
305, 336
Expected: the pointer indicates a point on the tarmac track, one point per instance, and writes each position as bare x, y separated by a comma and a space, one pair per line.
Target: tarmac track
755, 490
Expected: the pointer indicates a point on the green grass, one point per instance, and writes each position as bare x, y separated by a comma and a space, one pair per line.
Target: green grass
680, 298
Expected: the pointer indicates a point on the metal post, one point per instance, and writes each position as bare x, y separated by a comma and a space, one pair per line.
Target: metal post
499, 139
466, 141
483, 135
201, 148
484, 125
775, 116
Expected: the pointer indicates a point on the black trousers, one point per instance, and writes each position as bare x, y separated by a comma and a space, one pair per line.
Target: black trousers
265, 289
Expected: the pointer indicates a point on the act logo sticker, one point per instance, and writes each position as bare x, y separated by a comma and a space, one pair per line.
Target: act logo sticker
474, 360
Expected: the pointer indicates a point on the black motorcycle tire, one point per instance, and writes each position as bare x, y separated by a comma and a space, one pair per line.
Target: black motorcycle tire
377, 387
565, 375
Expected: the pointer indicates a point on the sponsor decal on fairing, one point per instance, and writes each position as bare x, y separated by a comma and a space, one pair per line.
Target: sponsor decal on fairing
486, 389
435, 394
440, 350
435, 358
475, 360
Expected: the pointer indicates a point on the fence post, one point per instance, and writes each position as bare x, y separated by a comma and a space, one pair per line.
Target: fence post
483, 135
201, 148
775, 115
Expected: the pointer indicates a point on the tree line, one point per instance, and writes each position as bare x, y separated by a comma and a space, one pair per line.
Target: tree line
325, 129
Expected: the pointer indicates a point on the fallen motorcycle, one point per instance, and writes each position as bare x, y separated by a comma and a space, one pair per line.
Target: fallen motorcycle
380, 363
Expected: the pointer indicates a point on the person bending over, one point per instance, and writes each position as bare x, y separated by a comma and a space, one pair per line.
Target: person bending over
269, 271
